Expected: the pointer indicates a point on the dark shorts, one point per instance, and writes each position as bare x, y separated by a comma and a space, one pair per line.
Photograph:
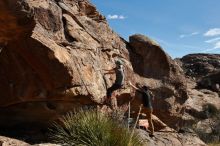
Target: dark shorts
113, 88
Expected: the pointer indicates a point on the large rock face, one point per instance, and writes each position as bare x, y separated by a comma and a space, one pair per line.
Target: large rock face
52, 58
203, 105
53, 61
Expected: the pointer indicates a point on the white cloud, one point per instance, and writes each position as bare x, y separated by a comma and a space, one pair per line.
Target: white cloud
189, 35
120, 17
213, 40
212, 32
216, 47
195, 33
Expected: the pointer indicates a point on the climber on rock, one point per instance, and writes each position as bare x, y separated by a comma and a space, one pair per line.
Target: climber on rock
119, 81
147, 97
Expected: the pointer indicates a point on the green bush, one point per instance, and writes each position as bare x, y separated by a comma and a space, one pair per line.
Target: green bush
92, 128
211, 110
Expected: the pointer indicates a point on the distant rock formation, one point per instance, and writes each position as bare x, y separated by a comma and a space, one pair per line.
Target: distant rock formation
200, 65
202, 108
203, 68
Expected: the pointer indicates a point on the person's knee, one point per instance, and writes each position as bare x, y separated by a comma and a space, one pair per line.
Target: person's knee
148, 114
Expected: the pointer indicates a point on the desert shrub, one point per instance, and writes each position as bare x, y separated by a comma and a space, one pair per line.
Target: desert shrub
213, 118
92, 128
211, 110
208, 137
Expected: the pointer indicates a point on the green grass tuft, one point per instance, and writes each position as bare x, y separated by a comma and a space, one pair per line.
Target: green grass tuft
92, 128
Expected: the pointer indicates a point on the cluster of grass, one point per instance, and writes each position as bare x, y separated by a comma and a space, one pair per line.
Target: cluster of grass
92, 128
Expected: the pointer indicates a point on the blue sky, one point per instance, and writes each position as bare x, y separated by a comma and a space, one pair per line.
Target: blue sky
179, 26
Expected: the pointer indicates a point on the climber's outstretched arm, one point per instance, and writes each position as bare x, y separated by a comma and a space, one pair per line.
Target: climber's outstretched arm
136, 88
109, 71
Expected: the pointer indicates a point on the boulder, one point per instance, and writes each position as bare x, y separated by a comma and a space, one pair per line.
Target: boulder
160, 139
153, 61
210, 81
6, 141
54, 63
201, 112
203, 69
156, 69
52, 58
171, 138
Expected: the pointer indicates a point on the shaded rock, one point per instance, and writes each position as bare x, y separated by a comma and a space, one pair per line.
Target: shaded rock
161, 139
15, 19
209, 130
6, 141
200, 65
151, 56
171, 138
199, 98
166, 80
210, 81
201, 112
202, 108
